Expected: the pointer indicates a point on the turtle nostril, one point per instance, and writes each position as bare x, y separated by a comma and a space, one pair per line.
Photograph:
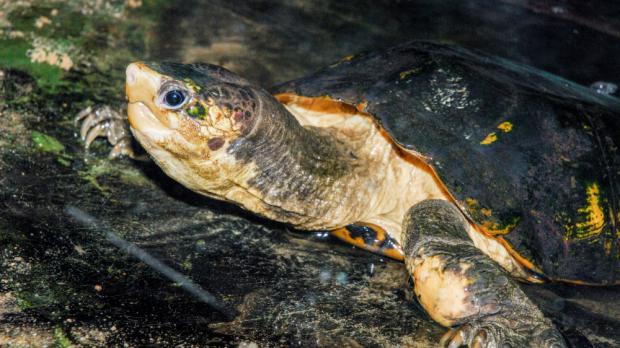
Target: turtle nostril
131, 73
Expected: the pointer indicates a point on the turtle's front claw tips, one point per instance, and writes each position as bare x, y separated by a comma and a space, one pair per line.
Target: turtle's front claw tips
488, 333
474, 336
93, 133
103, 121
82, 114
452, 339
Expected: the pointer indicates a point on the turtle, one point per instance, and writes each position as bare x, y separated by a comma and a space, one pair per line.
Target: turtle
477, 172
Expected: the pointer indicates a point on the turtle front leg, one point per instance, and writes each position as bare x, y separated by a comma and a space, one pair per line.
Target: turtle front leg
464, 289
104, 121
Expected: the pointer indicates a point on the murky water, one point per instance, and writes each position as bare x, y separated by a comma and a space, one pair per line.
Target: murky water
63, 283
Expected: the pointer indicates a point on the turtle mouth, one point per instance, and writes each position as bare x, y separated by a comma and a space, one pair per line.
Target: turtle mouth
143, 120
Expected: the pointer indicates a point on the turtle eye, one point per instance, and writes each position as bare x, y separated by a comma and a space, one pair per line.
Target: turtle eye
174, 99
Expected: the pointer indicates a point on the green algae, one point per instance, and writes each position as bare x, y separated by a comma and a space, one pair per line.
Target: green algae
61, 340
14, 54
104, 168
61, 43
47, 143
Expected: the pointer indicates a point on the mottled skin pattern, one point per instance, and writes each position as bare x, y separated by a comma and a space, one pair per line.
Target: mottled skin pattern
284, 151
235, 142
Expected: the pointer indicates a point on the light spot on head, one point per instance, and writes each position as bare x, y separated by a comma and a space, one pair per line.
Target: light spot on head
191, 84
197, 110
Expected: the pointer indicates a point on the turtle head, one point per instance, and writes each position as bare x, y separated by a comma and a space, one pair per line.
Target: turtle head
220, 136
186, 116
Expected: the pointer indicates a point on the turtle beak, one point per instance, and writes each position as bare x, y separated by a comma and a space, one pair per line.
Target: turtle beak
141, 87
141, 83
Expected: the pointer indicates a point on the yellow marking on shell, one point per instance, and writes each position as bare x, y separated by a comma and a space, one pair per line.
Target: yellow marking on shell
495, 229
344, 59
505, 127
403, 75
471, 202
491, 227
361, 106
607, 246
486, 212
618, 230
490, 139
595, 217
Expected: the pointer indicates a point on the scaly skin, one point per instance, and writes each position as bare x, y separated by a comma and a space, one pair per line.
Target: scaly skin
235, 142
461, 287
243, 146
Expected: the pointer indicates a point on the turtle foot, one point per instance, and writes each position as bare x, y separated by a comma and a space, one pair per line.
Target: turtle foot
459, 285
508, 331
104, 121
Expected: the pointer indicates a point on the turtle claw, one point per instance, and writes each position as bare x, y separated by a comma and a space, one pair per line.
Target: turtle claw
93, 133
475, 336
498, 334
104, 121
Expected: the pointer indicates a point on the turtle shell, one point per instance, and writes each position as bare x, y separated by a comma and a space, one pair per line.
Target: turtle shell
531, 158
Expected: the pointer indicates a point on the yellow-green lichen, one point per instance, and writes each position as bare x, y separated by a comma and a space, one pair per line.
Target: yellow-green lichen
187, 264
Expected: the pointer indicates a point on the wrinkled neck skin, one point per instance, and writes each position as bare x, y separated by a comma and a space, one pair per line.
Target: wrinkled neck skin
325, 176
302, 173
